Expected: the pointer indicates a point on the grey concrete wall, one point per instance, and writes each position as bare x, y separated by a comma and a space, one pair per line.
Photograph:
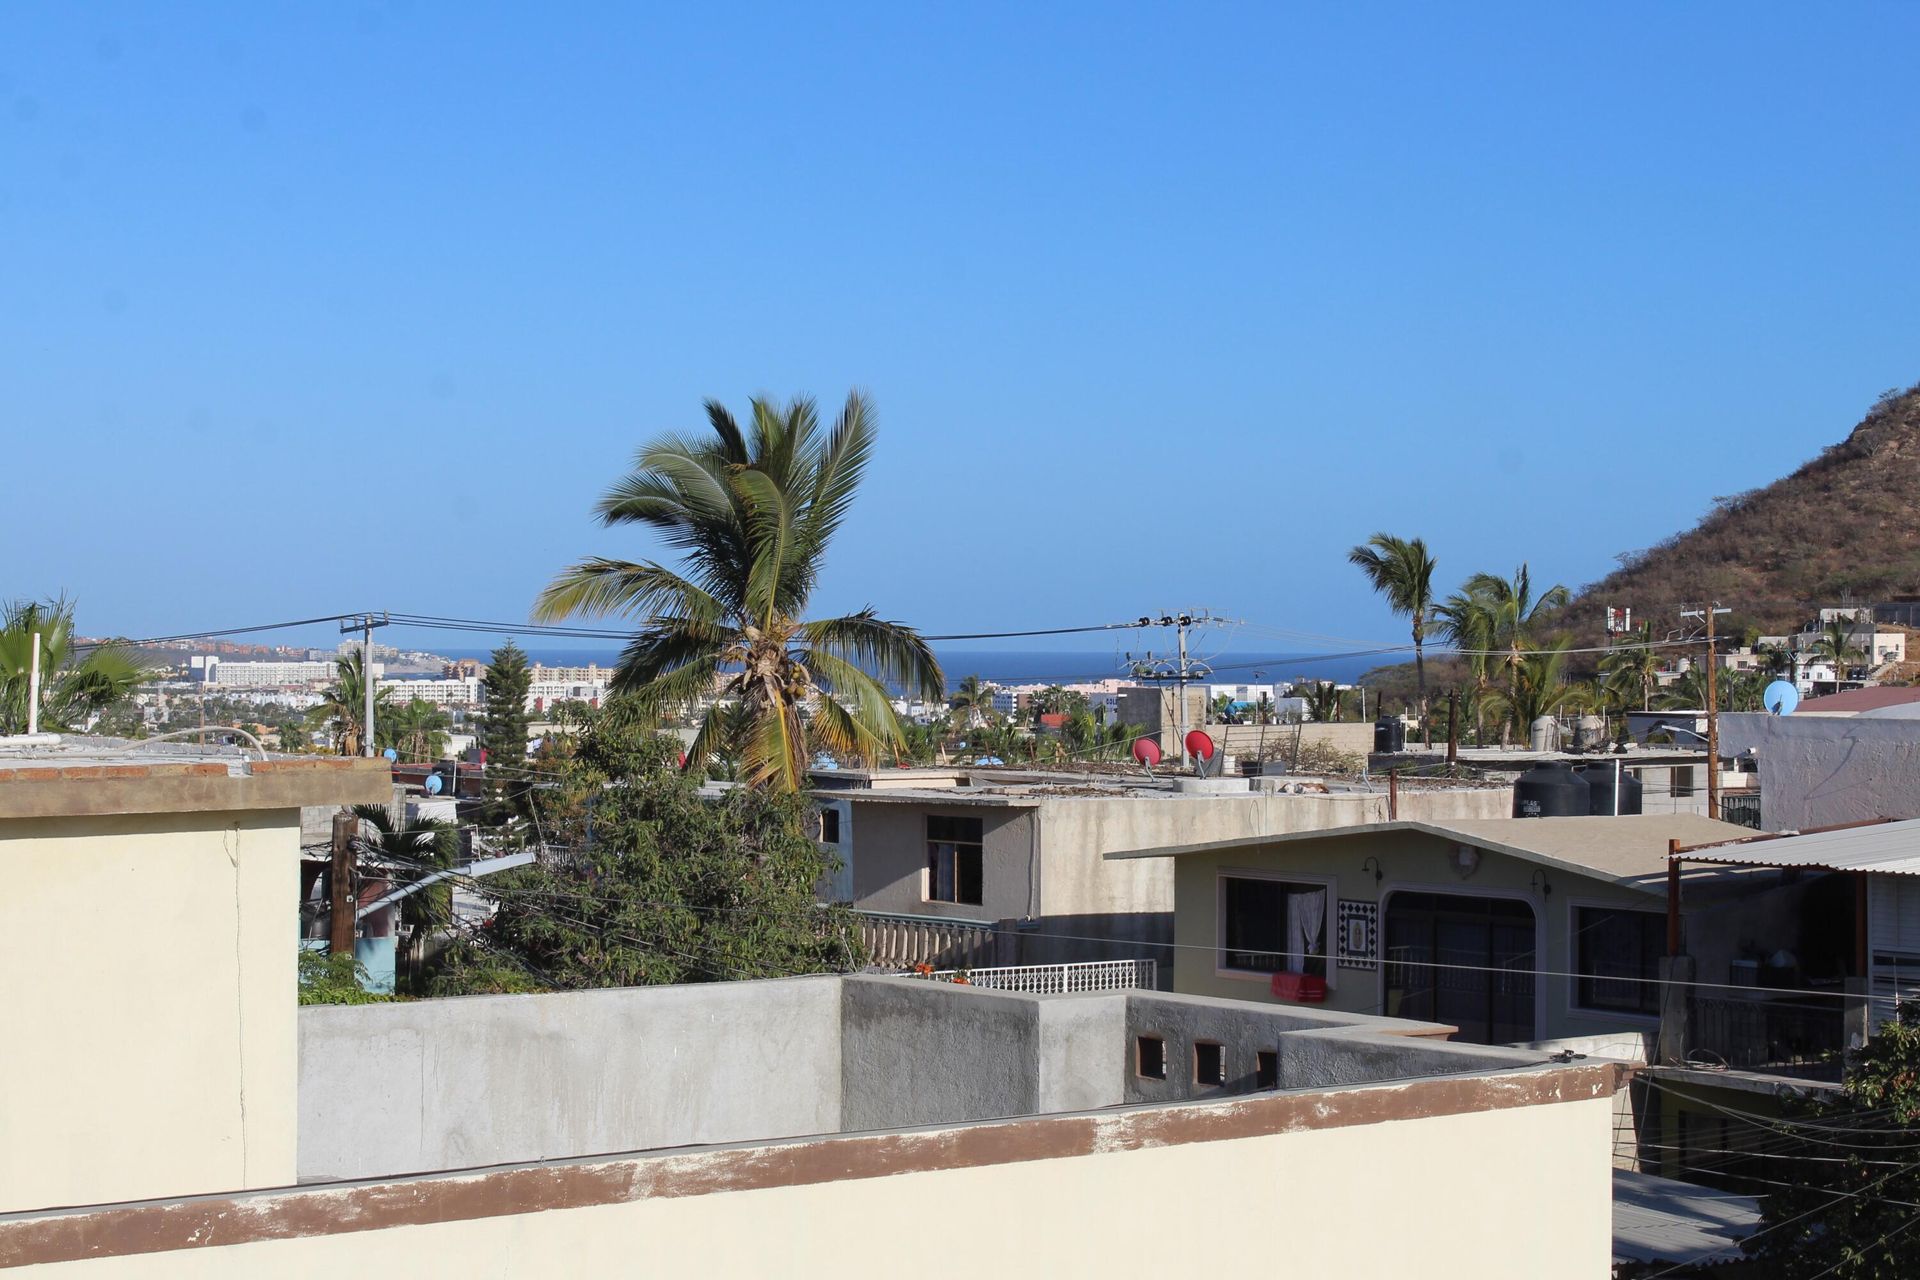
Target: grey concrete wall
889, 854
1242, 1029
437, 1084
1818, 771
932, 1052
1333, 1059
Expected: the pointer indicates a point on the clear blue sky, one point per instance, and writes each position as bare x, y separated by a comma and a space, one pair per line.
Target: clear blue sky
310, 308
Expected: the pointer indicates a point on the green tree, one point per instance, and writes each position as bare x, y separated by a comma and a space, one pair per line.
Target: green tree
753, 511
419, 847
1401, 570
1323, 699
1632, 670
1836, 644
75, 683
1508, 613
503, 733
1846, 1211
972, 701
661, 884
1541, 687
416, 729
342, 710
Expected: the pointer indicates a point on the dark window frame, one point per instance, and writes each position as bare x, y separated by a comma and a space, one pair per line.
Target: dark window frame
1150, 1052
956, 860
1247, 959
1648, 943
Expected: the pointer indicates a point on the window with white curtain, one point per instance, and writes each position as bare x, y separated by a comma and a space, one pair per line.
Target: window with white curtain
1273, 926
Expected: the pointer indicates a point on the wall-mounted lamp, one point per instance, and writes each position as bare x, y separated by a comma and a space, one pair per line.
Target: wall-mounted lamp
1378, 874
1465, 860
1539, 882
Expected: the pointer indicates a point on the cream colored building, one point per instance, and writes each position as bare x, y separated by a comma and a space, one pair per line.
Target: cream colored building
147, 923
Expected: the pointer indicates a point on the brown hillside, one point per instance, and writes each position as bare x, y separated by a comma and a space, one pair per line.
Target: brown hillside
1843, 528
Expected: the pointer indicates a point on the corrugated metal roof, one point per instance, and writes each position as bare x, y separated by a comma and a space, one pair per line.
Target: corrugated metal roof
1660, 1220
1891, 848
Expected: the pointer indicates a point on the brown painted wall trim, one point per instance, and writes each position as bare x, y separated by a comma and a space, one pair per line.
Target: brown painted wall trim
165, 1225
112, 789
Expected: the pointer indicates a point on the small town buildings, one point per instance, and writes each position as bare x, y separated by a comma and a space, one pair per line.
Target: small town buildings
1004, 866
1512, 930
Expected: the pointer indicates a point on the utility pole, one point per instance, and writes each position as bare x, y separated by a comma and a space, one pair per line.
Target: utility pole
1713, 706
340, 896
1181, 670
365, 624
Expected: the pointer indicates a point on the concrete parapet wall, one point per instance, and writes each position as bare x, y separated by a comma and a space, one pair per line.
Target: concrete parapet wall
438, 1084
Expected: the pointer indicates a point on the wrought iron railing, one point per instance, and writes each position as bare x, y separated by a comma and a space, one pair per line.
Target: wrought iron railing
1057, 979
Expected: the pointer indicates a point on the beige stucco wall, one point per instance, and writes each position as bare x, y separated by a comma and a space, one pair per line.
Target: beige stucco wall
1411, 861
147, 1043
1464, 1196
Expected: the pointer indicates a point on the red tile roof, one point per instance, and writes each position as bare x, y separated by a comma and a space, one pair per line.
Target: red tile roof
1871, 698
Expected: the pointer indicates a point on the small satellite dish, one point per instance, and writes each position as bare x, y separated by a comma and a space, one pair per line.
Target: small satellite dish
1146, 751
391, 755
1200, 745
1781, 697
434, 784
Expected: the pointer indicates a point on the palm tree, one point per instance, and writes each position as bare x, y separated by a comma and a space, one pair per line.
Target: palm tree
752, 512
419, 847
1402, 571
1323, 700
973, 700
1632, 670
1513, 614
1467, 623
75, 685
342, 708
416, 729
1540, 687
1835, 644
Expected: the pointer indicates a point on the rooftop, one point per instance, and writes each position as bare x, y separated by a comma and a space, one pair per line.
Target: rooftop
1017, 788
1629, 850
1661, 1220
1853, 701
1889, 848
66, 775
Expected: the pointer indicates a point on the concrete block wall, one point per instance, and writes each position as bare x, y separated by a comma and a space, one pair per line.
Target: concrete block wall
454, 1083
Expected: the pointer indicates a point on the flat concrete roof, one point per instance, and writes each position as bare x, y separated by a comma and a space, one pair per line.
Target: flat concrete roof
1630, 849
65, 776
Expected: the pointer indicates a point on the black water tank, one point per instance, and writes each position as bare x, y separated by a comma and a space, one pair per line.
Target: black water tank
1599, 779
1551, 790
1389, 735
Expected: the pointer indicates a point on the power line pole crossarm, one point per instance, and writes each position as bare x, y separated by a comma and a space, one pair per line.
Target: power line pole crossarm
1711, 611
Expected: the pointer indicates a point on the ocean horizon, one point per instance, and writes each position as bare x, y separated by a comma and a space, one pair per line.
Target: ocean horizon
1058, 666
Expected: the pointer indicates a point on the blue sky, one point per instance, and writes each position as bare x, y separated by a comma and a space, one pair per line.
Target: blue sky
305, 309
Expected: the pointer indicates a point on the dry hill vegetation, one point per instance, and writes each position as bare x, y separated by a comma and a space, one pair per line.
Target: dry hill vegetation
1841, 528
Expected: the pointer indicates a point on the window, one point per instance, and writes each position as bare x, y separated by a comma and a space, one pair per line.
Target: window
1209, 1063
1266, 1069
1273, 926
953, 860
1682, 776
1617, 955
1462, 959
1150, 1057
829, 825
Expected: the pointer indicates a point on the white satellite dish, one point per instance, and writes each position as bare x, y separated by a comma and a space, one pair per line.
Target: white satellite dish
1781, 697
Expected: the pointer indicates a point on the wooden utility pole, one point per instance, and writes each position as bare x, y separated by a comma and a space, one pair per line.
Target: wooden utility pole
1713, 706
340, 894
1453, 729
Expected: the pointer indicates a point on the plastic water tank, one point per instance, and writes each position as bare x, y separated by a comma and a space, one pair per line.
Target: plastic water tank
1546, 734
1551, 790
1590, 733
1599, 779
1389, 735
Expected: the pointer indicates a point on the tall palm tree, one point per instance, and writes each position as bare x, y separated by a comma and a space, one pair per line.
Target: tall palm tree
752, 511
75, 684
1632, 670
973, 700
1835, 644
343, 705
1467, 624
1514, 613
417, 729
1401, 570
1541, 687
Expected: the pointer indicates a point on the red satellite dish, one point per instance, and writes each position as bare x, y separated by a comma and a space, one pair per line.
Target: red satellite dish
683, 759
1200, 745
1146, 751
